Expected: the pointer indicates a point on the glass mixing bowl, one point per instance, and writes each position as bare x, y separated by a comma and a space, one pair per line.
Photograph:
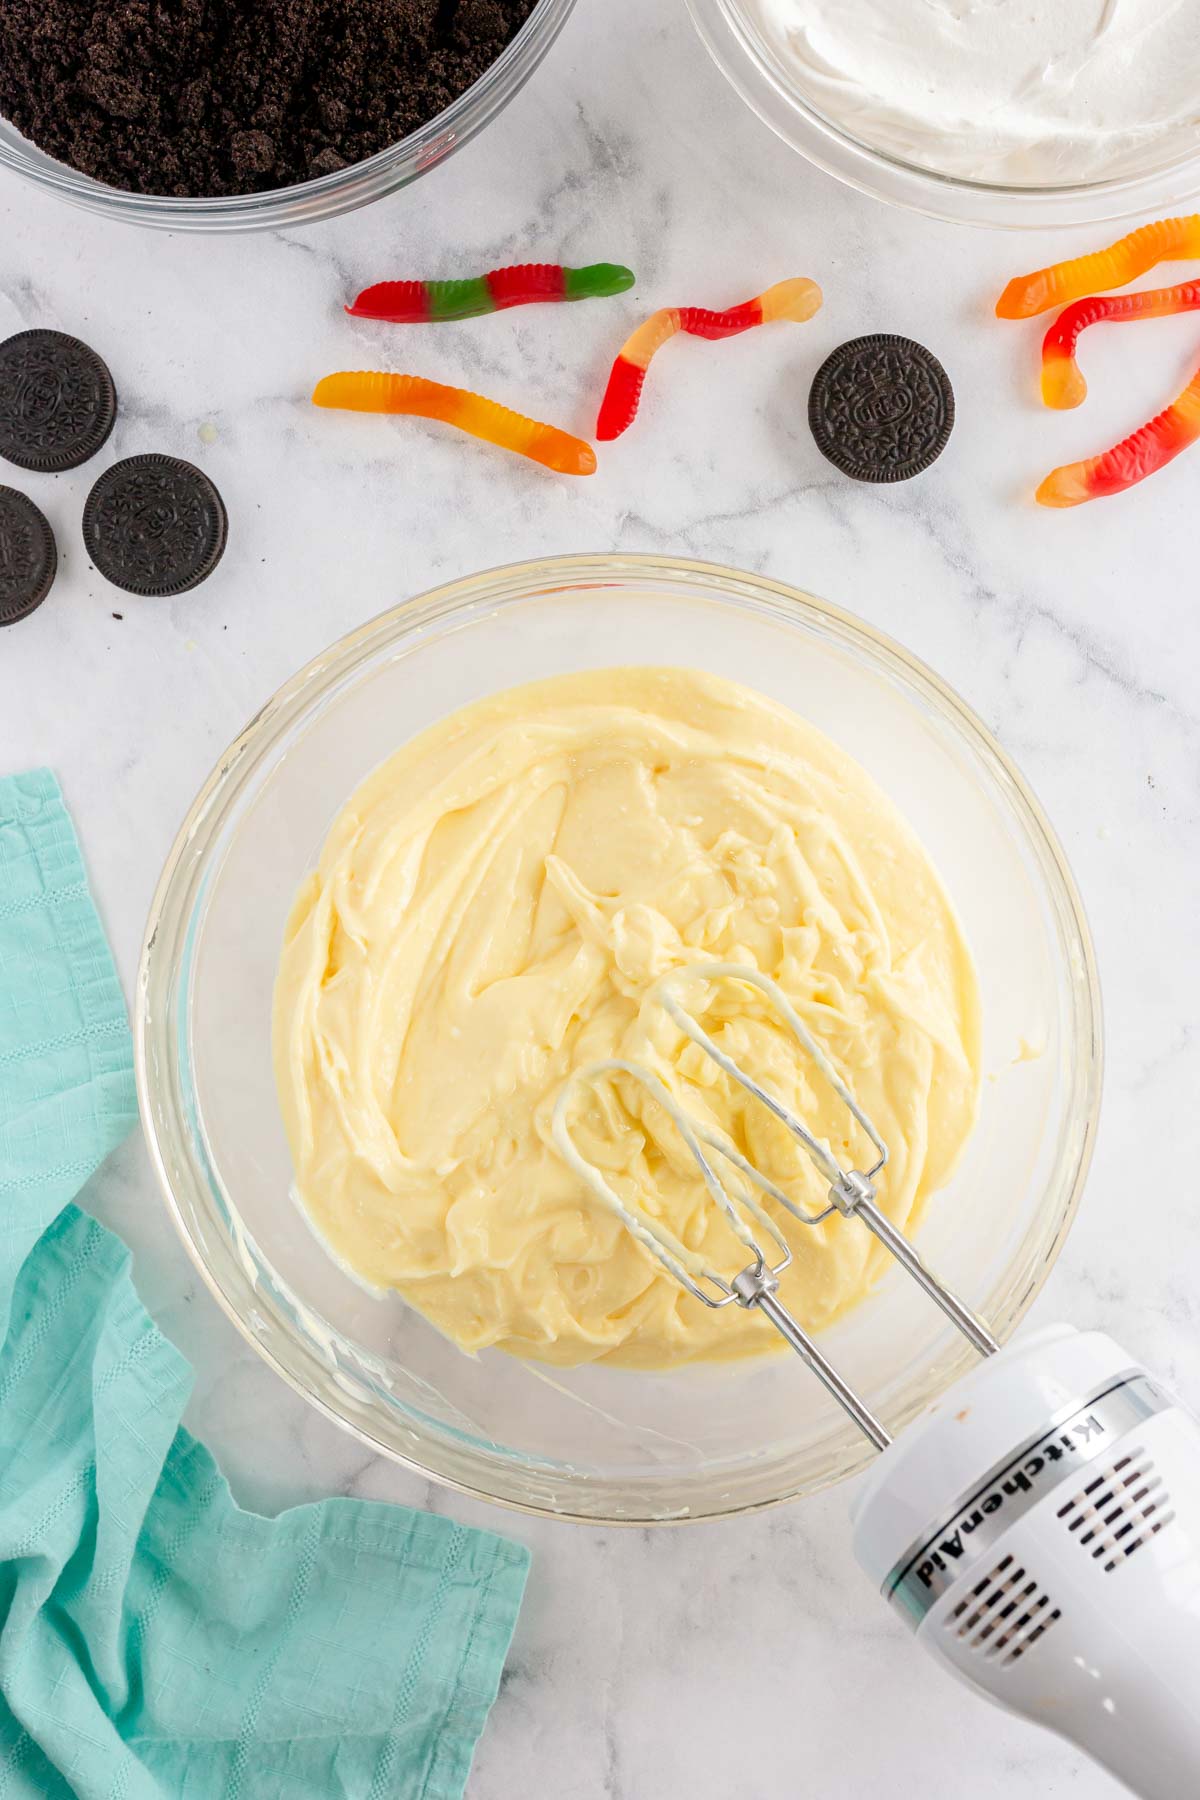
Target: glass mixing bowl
309, 201
754, 67
594, 1443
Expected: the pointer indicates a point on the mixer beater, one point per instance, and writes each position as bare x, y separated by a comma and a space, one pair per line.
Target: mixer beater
851, 1191
1002, 1525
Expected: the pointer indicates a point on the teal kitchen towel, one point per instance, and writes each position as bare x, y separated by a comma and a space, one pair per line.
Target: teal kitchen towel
157, 1642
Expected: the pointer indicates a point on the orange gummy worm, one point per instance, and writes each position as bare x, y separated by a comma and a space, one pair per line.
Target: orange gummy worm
369, 390
1062, 379
1130, 461
1166, 240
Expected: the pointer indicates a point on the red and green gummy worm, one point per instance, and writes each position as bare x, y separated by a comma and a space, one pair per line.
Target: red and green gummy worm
526, 284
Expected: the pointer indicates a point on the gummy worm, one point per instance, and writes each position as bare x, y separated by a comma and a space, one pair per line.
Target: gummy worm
795, 299
1130, 461
415, 302
1166, 240
366, 390
1062, 379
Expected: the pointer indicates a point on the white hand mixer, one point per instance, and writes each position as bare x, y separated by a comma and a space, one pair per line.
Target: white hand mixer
1039, 1527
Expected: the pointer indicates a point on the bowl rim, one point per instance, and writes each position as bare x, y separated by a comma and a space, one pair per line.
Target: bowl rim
183, 871
321, 196
756, 76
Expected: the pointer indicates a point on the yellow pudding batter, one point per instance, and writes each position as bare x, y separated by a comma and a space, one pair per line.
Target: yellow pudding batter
491, 910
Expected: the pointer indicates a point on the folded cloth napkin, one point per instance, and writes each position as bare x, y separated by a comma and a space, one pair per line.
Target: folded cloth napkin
157, 1642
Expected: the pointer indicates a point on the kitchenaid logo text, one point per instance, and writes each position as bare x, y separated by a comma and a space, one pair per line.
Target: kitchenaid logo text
936, 1564
1038, 1468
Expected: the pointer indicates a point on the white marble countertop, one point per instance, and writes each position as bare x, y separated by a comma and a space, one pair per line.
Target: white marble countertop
651, 1664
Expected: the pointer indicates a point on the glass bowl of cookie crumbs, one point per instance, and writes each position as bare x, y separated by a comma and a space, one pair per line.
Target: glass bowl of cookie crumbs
246, 115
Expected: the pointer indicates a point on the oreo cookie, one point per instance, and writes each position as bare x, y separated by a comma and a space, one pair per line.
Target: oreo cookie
155, 526
881, 408
28, 556
57, 401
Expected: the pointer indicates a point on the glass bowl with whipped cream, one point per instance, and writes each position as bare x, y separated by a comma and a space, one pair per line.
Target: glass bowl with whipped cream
1012, 113
444, 867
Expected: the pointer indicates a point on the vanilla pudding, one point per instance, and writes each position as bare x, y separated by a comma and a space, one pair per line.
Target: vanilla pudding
491, 910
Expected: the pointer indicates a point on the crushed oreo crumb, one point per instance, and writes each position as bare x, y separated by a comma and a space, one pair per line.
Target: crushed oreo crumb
217, 97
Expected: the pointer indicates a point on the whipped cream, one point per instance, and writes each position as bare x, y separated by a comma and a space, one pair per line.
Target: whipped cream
1027, 92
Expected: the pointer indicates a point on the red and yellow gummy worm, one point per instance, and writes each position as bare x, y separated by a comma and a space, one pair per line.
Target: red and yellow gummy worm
1130, 461
1062, 379
366, 390
524, 284
1166, 240
797, 299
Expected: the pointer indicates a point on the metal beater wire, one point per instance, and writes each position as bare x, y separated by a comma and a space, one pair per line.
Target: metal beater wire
820, 1153
684, 1264
851, 1191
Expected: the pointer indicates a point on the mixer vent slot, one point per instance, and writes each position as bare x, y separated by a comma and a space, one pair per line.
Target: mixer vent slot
1119, 1510
1005, 1614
